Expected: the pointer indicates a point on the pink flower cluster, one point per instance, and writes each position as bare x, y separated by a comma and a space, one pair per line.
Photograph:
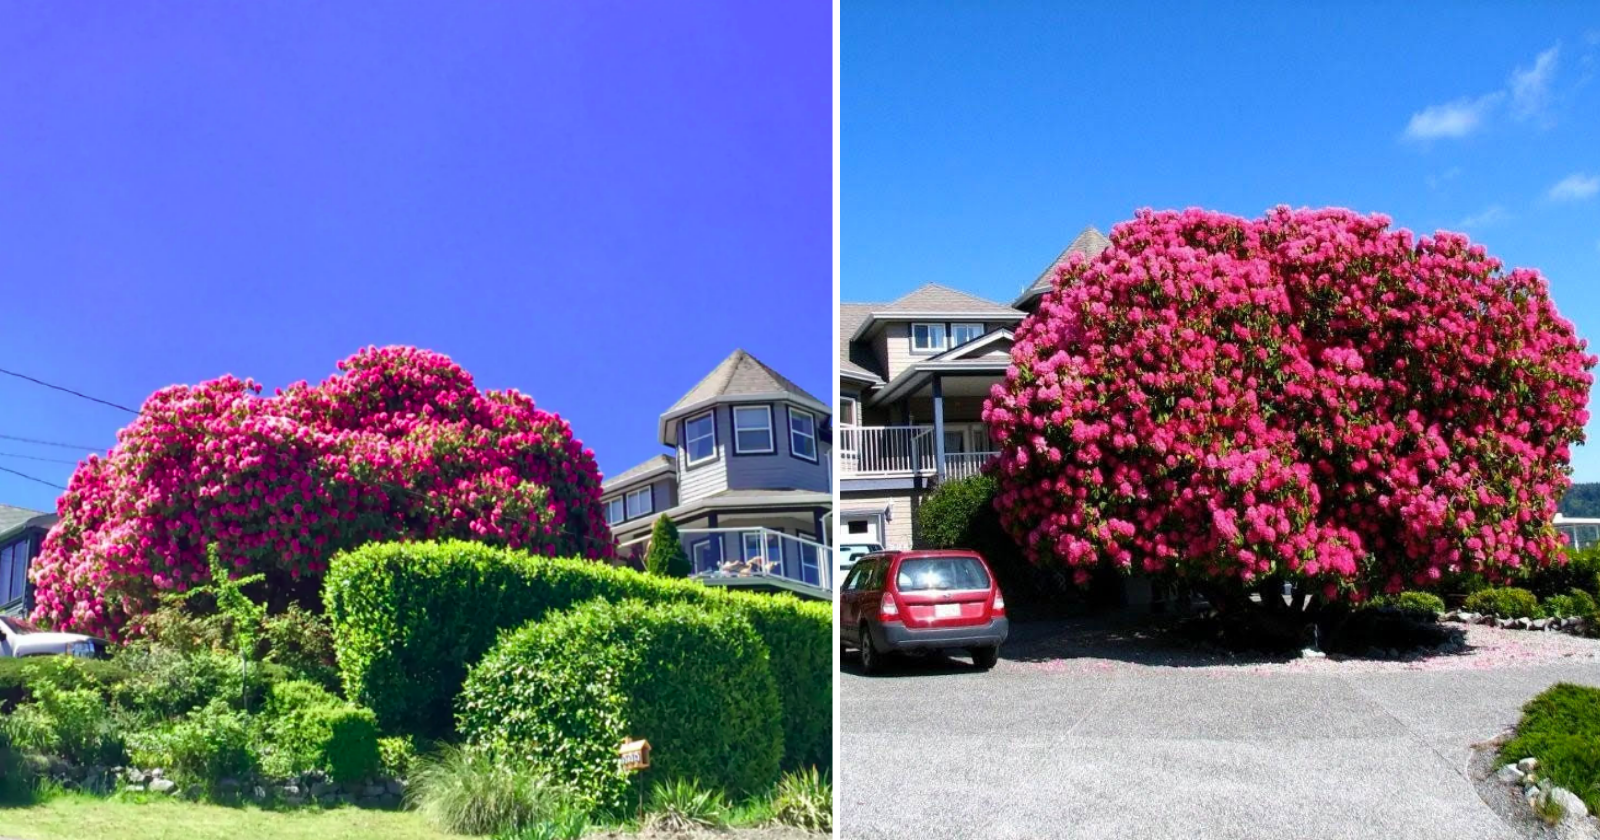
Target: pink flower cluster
399, 445
1310, 394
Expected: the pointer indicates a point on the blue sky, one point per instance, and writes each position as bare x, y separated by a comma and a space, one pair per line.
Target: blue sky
592, 202
978, 139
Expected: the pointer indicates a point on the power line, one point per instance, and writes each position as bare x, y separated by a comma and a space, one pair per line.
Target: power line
31, 478
52, 443
36, 458
66, 390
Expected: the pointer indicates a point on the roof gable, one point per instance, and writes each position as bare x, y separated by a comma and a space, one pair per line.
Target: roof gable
658, 463
934, 298
1089, 242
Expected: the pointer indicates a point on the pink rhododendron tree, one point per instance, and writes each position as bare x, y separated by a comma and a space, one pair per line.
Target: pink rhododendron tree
399, 445
1310, 396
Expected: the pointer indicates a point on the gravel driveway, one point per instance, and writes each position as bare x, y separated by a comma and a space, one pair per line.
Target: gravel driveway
1093, 730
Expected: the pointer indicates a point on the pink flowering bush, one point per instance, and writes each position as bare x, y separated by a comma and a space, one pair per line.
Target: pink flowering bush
400, 444
1309, 396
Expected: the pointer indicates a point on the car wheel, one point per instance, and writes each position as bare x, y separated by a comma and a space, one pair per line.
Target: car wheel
984, 658
871, 657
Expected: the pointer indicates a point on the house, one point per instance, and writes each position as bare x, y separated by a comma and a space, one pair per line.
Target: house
913, 376
747, 480
21, 534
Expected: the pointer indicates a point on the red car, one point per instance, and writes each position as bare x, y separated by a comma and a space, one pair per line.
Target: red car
922, 600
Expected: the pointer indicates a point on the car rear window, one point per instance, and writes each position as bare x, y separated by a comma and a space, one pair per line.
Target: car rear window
920, 574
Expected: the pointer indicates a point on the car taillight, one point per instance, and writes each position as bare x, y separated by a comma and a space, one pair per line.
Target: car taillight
888, 610
999, 607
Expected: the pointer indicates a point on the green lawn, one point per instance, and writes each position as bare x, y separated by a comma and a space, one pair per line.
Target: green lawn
1561, 728
70, 817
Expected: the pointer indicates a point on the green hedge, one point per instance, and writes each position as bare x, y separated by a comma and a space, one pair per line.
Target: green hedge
1503, 601
565, 691
310, 729
1410, 601
409, 618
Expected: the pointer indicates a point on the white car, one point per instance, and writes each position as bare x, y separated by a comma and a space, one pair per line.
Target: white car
18, 637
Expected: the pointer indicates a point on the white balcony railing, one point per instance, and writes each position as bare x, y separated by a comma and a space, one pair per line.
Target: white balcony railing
895, 451
731, 556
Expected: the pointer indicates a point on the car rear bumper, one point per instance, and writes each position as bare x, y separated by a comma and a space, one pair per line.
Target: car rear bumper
900, 637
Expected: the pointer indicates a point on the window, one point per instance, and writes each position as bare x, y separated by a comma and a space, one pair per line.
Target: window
941, 573
955, 442
856, 526
752, 429
700, 438
803, 434
847, 411
614, 511
927, 338
639, 502
962, 333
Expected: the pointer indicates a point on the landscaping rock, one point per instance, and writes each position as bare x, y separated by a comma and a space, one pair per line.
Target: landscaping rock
228, 784
163, 786
396, 787
1528, 765
1509, 774
259, 794
289, 790
1572, 806
135, 776
374, 791
321, 789
157, 773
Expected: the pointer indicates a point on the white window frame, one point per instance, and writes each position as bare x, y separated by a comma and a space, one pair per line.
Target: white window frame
688, 441
622, 517
954, 328
849, 408
647, 508
772, 435
702, 550
943, 333
811, 436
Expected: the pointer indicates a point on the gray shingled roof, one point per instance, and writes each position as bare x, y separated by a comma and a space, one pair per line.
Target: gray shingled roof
1089, 242
936, 298
13, 518
740, 373
632, 472
853, 357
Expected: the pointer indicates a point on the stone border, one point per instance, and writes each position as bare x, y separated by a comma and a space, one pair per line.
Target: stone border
1574, 625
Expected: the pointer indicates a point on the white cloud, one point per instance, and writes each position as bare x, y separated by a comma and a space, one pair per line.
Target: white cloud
1530, 87
1492, 215
1529, 92
1452, 119
1575, 187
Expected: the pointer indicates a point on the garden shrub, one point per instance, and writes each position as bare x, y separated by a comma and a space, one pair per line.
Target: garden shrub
1311, 396
74, 724
1409, 601
309, 729
164, 683
409, 618
18, 676
1581, 571
399, 444
397, 754
804, 800
1561, 728
1503, 601
467, 791
207, 745
1574, 604
960, 513
302, 643
563, 692
666, 556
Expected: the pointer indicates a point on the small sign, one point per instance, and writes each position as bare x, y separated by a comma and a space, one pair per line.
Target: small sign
633, 755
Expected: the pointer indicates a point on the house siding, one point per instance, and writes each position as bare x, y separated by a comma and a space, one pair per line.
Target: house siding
702, 480
899, 532
781, 470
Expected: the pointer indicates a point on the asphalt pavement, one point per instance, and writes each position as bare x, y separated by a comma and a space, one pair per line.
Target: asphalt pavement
1087, 730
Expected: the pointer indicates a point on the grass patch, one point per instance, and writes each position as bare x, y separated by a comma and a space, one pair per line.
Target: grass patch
75, 816
1561, 728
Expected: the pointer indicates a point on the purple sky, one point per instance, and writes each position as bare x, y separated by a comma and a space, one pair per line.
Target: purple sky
591, 202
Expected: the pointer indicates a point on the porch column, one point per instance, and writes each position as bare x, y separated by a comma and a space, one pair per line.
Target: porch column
824, 563
938, 426
716, 543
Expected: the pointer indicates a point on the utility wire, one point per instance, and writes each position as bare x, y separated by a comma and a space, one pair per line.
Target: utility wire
37, 458
65, 390
53, 443
31, 478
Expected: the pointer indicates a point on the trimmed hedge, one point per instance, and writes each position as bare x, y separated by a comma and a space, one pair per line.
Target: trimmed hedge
1410, 601
1503, 601
409, 618
565, 691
